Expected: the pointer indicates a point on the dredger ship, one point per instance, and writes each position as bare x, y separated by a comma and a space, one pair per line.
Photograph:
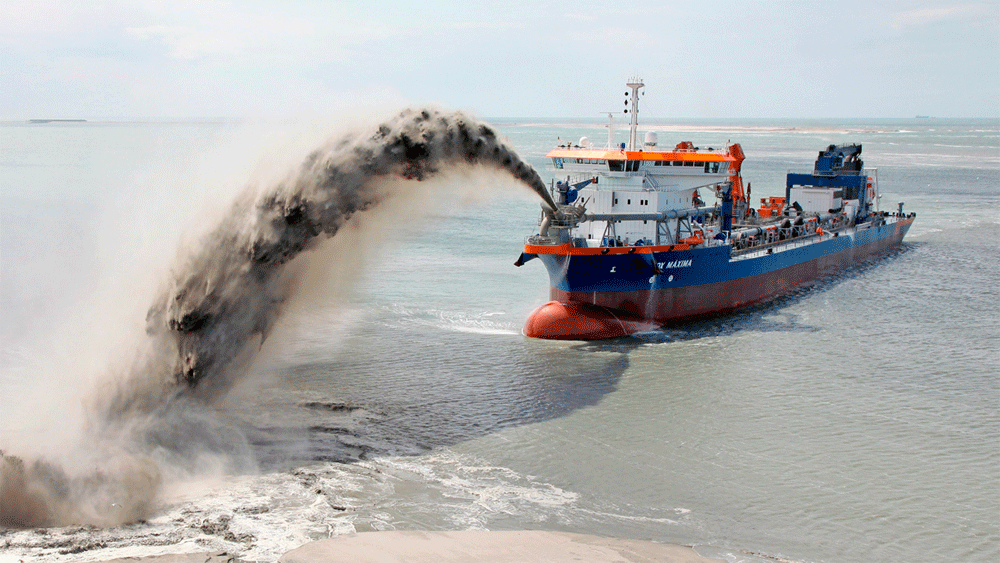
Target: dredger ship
632, 245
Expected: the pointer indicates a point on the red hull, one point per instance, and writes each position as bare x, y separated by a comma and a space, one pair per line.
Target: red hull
579, 321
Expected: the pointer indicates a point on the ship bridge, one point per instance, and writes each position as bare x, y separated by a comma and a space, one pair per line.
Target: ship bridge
655, 195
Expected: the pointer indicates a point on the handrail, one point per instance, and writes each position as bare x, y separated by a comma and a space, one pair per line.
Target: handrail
787, 244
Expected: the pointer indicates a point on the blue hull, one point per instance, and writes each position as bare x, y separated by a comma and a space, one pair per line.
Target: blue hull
674, 286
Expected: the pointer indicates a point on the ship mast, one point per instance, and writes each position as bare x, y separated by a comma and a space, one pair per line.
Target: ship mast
634, 84
611, 130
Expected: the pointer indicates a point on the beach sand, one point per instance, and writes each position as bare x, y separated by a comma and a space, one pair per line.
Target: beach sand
464, 547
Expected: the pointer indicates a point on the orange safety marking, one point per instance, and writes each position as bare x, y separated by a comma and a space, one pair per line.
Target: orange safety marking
568, 249
639, 155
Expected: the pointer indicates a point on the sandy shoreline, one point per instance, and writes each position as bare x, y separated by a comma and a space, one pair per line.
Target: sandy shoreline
463, 547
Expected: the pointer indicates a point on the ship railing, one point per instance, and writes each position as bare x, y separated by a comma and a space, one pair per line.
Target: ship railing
539, 240
709, 150
786, 244
761, 249
650, 180
572, 180
576, 178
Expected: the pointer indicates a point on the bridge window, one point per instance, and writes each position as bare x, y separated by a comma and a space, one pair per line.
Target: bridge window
557, 163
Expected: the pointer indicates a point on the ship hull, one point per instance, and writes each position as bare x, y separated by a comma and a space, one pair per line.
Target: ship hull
646, 288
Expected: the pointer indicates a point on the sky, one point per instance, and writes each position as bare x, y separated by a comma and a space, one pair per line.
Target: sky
504, 59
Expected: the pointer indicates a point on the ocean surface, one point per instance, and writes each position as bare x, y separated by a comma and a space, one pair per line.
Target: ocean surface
856, 420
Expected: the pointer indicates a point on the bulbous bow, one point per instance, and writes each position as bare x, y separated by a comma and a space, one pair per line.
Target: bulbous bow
556, 320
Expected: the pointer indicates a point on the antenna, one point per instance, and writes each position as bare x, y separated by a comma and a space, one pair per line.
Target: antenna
611, 129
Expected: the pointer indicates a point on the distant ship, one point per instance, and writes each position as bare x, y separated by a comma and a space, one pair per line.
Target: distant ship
632, 244
57, 121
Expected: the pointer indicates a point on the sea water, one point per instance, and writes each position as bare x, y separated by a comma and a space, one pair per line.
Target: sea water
857, 419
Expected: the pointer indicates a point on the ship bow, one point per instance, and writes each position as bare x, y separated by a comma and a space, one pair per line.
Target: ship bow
556, 320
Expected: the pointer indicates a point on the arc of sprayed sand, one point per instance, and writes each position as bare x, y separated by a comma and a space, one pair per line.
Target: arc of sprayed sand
226, 295
230, 291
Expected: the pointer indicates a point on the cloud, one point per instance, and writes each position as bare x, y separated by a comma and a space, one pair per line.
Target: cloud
259, 38
211, 57
924, 16
186, 42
